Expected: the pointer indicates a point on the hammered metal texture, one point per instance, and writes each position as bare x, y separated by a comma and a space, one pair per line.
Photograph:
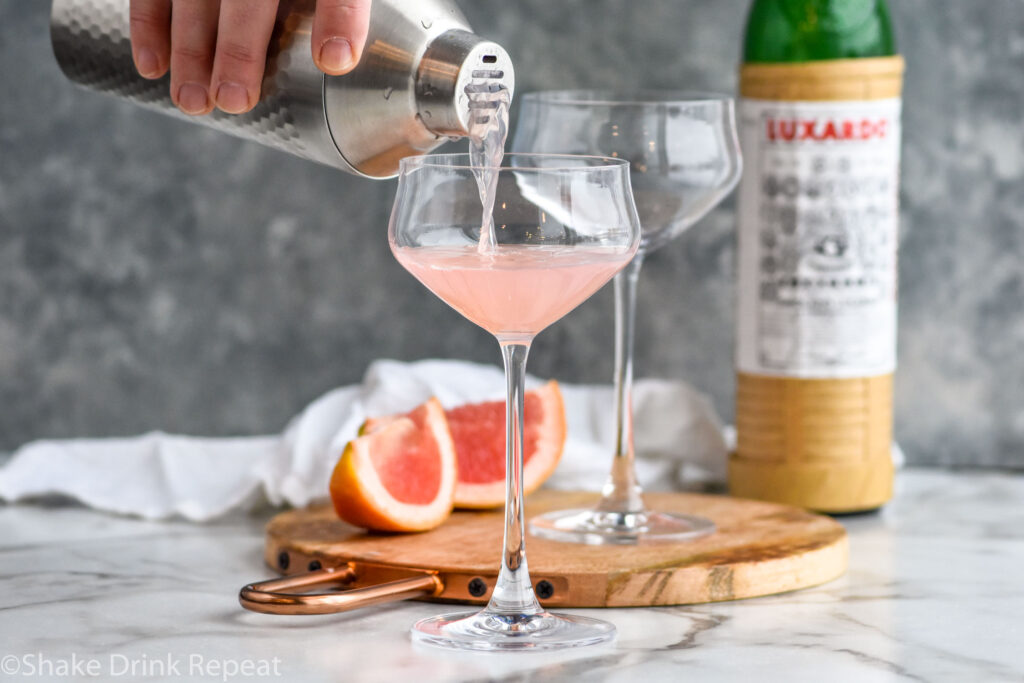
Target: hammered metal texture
92, 45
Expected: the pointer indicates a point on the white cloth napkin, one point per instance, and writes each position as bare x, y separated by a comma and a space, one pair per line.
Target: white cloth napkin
158, 475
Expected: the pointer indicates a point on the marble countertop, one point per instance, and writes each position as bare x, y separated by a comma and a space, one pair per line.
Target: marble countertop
935, 592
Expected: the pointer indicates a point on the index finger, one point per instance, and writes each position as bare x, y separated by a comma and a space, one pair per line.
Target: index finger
339, 34
150, 28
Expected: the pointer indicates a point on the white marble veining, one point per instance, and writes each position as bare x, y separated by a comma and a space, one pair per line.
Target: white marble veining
935, 592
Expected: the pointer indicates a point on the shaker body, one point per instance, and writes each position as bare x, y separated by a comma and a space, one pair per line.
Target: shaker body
363, 122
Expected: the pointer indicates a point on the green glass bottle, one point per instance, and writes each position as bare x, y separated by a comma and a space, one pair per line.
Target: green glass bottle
807, 30
817, 233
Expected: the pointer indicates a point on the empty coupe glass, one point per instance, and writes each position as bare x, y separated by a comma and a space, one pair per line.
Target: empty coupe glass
684, 159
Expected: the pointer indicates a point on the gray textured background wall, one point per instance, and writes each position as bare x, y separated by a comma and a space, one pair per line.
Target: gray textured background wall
157, 275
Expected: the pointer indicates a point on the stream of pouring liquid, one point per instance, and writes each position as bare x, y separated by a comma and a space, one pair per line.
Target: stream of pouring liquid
488, 130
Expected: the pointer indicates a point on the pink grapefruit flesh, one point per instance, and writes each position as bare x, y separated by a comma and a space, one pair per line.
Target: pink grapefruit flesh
400, 476
478, 431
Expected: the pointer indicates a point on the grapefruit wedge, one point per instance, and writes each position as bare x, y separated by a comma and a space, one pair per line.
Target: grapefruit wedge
400, 475
478, 432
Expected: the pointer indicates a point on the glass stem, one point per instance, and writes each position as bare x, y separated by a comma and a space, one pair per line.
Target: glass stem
513, 593
621, 494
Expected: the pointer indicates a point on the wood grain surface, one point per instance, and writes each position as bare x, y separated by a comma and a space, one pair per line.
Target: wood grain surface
758, 549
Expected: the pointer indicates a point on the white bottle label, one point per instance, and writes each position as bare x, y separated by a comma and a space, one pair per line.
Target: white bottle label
818, 215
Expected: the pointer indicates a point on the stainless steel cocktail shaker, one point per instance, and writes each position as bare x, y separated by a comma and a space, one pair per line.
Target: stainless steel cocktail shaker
406, 96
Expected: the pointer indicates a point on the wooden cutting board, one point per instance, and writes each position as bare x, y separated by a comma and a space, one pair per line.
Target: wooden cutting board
758, 549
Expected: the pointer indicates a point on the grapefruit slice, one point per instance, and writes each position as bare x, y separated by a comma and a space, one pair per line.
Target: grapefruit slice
478, 430
478, 434
399, 476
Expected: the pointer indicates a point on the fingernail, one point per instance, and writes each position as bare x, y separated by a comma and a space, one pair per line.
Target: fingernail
147, 63
192, 98
232, 98
336, 54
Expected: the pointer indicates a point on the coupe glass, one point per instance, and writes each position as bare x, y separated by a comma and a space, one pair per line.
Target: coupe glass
684, 159
563, 227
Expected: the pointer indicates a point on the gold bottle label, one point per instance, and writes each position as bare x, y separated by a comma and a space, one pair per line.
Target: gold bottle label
817, 282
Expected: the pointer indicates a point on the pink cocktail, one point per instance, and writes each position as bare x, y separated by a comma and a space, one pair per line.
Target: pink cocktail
561, 227
513, 291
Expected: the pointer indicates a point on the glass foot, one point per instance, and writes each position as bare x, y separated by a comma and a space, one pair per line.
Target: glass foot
498, 632
595, 527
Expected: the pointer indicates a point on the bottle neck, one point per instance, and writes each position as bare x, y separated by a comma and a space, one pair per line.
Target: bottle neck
809, 30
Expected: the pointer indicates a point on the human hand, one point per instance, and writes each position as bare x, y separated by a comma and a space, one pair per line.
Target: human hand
216, 50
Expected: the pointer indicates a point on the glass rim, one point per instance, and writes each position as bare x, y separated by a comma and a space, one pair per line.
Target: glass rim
435, 161
624, 98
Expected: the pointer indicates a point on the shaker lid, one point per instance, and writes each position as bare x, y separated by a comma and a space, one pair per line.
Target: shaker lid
454, 60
